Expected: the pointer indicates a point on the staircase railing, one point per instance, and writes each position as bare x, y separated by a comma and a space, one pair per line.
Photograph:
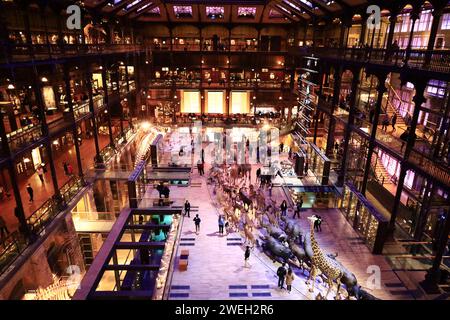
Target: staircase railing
400, 110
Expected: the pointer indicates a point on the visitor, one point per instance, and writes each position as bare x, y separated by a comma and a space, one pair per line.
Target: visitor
203, 156
298, 205
3, 229
281, 147
269, 188
181, 153
317, 223
289, 280
290, 153
336, 147
385, 123
160, 189
141, 219
30, 192
66, 172
40, 173
393, 121
281, 273
69, 169
258, 175
197, 221
187, 208
221, 224
283, 208
246, 257
200, 168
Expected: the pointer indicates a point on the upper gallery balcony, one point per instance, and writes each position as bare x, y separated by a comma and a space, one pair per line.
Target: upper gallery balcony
26, 52
429, 60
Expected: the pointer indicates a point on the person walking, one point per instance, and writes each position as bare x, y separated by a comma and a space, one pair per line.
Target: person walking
3, 229
40, 173
269, 188
283, 208
203, 156
289, 280
393, 121
221, 224
258, 174
197, 221
69, 169
385, 123
281, 273
317, 223
200, 168
299, 205
66, 171
246, 257
187, 208
30, 192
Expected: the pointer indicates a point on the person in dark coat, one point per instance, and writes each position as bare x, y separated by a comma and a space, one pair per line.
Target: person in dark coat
197, 221
299, 205
187, 208
283, 208
393, 121
281, 273
30, 192
246, 257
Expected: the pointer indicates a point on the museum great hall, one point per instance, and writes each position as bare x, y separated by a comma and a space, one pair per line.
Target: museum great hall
187, 149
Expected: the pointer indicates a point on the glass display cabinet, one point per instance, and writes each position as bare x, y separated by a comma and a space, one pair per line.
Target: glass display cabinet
365, 218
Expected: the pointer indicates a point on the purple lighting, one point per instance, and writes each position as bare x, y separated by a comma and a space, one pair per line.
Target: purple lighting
183, 11
246, 12
215, 12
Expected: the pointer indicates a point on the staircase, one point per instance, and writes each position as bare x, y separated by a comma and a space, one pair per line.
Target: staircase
390, 108
381, 174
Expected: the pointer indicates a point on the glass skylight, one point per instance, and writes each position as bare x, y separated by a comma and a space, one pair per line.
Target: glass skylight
275, 14
183, 11
135, 2
246, 12
144, 7
155, 11
215, 12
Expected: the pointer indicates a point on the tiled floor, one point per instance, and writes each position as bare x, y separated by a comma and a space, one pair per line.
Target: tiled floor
216, 263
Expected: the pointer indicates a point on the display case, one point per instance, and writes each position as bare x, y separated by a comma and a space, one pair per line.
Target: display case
365, 218
318, 163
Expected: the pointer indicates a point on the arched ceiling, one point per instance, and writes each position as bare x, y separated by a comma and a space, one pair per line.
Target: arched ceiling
234, 11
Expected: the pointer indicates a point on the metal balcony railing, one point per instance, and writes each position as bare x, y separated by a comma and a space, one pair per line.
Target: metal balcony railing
15, 243
432, 60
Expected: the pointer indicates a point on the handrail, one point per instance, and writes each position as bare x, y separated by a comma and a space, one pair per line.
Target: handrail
15, 244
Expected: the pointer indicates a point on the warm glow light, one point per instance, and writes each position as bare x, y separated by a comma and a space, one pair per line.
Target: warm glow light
26, 160
145, 125
55, 142
11, 86
44, 79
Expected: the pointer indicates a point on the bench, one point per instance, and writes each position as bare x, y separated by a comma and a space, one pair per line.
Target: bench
184, 260
184, 254
183, 264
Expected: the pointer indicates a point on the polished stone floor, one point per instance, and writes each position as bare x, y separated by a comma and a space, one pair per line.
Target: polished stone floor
216, 263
